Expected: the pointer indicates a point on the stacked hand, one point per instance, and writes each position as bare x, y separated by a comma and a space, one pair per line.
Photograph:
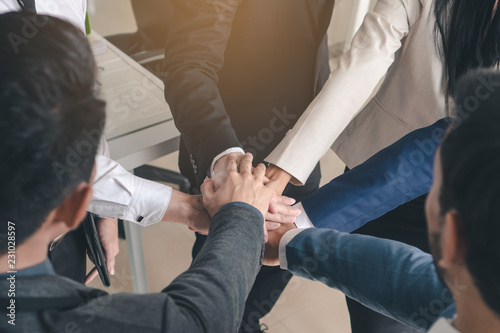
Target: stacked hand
280, 208
242, 184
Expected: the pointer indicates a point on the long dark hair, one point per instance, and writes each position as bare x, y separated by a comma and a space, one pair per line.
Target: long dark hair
470, 36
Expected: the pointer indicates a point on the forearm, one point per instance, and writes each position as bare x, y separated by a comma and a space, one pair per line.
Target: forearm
348, 88
276, 173
194, 54
390, 277
392, 177
222, 274
119, 194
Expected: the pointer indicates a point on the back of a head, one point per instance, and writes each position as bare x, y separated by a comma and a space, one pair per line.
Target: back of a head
470, 156
47, 106
468, 35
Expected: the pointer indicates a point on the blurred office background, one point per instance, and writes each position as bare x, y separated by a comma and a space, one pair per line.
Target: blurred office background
305, 306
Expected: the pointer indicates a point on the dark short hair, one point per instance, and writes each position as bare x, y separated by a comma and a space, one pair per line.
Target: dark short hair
470, 156
48, 108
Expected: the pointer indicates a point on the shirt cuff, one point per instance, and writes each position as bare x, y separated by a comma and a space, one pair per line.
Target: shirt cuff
149, 203
287, 238
221, 155
303, 221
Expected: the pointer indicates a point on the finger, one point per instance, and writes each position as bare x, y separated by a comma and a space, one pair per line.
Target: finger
286, 210
280, 218
273, 205
246, 164
111, 265
92, 274
281, 199
266, 235
270, 226
260, 172
207, 188
232, 163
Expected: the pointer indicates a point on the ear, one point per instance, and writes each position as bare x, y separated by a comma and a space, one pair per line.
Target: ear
453, 245
73, 209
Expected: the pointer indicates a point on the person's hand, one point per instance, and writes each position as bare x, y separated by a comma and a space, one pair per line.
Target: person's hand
244, 186
271, 254
281, 211
276, 173
220, 168
188, 210
108, 232
198, 219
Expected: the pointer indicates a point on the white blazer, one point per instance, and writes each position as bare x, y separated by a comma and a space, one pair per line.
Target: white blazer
395, 40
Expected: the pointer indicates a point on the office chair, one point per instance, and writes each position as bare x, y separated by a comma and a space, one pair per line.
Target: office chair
146, 45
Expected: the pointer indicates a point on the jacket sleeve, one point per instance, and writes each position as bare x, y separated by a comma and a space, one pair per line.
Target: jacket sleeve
389, 277
348, 88
392, 177
198, 32
210, 296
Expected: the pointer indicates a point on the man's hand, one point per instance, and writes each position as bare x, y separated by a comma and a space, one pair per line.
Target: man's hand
271, 256
220, 168
108, 232
281, 211
188, 210
276, 173
243, 186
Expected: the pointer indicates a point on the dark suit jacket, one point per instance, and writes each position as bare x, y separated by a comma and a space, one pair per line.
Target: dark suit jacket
239, 73
208, 297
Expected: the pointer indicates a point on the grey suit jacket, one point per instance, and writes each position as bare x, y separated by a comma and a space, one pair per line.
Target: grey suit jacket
209, 297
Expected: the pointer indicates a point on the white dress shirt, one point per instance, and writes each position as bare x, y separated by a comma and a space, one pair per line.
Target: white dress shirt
116, 192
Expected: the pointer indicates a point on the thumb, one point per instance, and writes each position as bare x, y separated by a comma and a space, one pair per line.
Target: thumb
207, 188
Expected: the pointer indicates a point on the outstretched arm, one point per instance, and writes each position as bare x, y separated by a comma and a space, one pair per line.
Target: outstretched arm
198, 33
389, 277
392, 177
360, 69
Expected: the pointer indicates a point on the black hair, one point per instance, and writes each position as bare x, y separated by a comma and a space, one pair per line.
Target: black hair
470, 159
468, 36
50, 118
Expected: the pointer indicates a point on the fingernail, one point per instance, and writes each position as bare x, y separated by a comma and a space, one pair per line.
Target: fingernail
291, 219
297, 212
291, 201
112, 271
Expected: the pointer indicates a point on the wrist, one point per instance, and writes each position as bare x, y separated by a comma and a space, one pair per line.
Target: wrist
276, 173
179, 209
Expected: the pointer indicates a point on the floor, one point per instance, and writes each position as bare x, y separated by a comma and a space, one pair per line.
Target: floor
305, 306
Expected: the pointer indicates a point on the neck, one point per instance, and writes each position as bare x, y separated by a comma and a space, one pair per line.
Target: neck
31, 252
473, 315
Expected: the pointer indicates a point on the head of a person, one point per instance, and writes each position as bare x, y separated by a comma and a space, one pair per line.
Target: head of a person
463, 207
468, 36
48, 107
